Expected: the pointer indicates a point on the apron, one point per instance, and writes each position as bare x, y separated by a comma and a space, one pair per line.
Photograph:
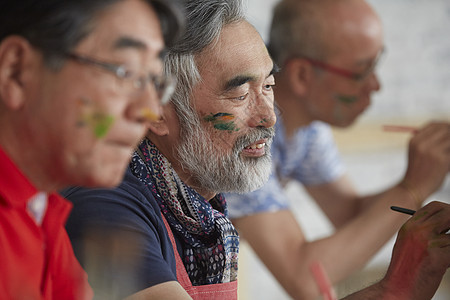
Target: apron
220, 291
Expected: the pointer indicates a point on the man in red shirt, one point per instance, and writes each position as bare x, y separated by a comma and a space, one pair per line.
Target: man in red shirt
79, 80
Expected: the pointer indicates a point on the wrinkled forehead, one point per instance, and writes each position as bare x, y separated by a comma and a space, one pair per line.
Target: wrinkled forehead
238, 50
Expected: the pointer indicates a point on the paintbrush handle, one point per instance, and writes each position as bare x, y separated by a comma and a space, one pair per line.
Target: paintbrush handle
397, 128
403, 210
322, 281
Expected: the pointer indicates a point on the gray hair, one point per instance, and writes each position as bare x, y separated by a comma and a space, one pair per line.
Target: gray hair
296, 29
205, 21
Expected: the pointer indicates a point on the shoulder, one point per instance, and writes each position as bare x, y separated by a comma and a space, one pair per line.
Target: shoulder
130, 191
125, 220
317, 129
129, 204
317, 134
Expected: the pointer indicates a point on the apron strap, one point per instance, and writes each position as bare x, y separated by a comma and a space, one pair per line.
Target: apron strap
182, 276
220, 291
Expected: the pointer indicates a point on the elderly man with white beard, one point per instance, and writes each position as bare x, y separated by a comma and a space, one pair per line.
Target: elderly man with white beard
213, 137
164, 232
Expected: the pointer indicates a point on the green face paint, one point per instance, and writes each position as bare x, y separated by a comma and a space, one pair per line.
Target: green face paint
91, 116
222, 121
101, 124
346, 99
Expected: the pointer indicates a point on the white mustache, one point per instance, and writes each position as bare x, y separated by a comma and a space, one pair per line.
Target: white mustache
253, 136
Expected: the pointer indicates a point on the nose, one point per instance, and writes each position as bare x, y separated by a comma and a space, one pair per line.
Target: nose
145, 106
373, 83
262, 112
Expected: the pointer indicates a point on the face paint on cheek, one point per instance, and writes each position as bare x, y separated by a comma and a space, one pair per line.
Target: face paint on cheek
346, 99
222, 121
94, 117
101, 124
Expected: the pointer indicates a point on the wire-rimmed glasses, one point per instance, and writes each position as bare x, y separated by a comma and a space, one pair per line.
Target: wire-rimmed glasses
164, 85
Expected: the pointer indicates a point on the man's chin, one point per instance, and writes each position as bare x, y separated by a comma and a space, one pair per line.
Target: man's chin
251, 179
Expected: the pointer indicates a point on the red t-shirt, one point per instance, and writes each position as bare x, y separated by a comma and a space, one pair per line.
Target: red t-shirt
36, 261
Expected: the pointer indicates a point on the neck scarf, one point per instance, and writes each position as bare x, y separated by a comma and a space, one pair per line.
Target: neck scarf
210, 241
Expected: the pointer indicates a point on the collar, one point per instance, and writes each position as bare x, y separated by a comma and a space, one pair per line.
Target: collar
15, 188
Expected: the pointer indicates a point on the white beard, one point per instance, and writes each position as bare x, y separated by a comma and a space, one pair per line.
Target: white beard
218, 172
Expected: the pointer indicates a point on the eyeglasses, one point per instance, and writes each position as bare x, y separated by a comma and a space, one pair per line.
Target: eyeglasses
164, 85
345, 73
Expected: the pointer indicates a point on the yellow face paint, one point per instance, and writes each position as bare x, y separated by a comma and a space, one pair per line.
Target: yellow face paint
149, 115
222, 121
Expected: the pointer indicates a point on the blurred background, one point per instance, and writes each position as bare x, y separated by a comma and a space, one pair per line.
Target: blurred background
415, 78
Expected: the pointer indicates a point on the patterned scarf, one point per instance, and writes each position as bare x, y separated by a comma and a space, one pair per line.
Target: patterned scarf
210, 241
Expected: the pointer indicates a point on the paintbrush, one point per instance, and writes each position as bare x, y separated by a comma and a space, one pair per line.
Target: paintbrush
403, 210
397, 128
322, 281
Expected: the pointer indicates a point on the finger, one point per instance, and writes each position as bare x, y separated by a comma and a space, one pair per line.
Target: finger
439, 217
432, 128
435, 214
433, 135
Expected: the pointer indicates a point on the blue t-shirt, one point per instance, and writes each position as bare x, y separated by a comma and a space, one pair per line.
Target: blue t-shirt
309, 157
126, 222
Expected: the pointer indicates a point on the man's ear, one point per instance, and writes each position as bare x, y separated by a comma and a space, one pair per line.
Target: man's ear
15, 53
161, 127
299, 73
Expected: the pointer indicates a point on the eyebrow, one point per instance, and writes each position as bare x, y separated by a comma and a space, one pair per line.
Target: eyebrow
125, 42
243, 79
237, 81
